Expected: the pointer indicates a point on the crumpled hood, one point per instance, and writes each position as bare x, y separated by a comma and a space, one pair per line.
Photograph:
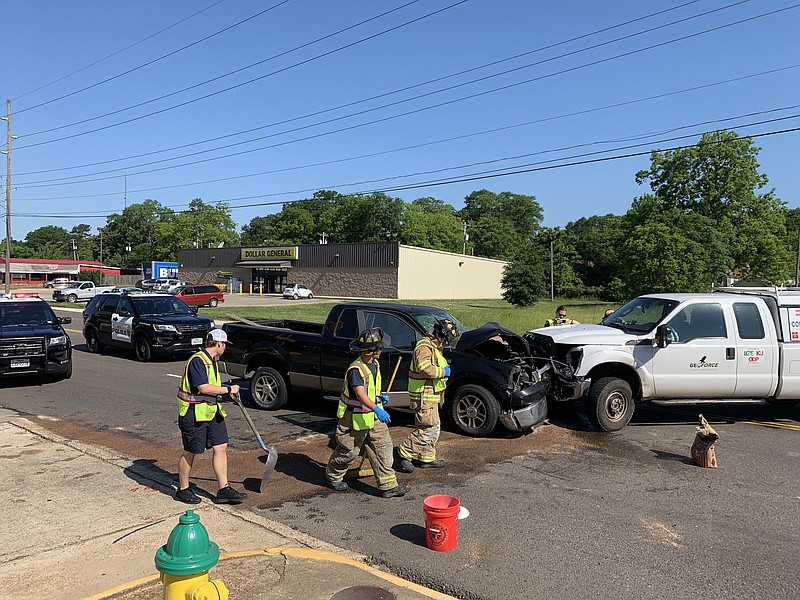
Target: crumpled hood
474, 337
585, 335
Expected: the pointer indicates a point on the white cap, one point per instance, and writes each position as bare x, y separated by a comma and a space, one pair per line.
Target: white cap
218, 336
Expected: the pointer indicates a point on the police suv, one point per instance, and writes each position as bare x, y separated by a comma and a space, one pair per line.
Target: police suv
732, 344
148, 324
32, 339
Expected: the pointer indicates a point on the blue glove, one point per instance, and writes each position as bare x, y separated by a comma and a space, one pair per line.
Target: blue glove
447, 371
384, 398
383, 416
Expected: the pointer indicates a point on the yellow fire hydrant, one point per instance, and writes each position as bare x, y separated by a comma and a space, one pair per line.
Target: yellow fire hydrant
184, 562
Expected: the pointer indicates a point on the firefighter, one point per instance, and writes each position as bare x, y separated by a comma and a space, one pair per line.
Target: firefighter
360, 402
427, 379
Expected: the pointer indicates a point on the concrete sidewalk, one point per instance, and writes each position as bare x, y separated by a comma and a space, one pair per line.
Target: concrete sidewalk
83, 522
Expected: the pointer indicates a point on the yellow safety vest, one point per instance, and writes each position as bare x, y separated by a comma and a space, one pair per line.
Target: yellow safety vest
205, 406
363, 417
418, 381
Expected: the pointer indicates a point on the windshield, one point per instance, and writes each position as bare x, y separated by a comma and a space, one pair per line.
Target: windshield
73, 284
161, 306
16, 314
641, 315
427, 320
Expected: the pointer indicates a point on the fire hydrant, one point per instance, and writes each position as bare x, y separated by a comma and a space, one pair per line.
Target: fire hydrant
185, 560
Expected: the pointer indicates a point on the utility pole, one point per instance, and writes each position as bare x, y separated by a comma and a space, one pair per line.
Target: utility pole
8, 198
552, 289
466, 236
74, 250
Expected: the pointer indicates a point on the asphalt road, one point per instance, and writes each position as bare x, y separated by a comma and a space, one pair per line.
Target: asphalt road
562, 512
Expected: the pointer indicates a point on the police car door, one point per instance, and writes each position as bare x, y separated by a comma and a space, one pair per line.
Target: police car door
697, 363
122, 321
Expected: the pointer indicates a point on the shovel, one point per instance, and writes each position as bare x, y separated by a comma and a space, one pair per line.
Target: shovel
272, 453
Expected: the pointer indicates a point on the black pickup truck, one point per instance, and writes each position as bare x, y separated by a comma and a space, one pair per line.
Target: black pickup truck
492, 379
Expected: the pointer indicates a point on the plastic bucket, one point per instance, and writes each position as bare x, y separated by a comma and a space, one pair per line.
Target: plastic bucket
441, 522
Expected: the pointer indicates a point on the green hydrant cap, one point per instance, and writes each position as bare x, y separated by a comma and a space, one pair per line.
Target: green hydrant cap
188, 550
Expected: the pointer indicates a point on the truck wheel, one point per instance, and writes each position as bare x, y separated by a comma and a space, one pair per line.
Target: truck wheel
474, 410
213, 302
72, 298
141, 346
610, 403
268, 388
93, 345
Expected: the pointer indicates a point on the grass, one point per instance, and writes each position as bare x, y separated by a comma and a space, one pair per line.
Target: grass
473, 313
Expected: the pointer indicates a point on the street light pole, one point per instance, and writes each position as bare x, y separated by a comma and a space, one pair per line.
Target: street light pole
8, 199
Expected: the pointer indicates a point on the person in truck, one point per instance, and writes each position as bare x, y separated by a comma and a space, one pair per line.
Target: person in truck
359, 405
201, 420
427, 380
561, 318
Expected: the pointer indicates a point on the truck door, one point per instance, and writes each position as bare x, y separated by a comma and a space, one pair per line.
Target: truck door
756, 352
697, 363
403, 339
122, 322
335, 354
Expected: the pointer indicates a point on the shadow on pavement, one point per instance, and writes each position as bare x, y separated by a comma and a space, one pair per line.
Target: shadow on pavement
410, 533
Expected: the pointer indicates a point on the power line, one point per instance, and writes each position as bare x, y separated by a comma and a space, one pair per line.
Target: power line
113, 54
155, 60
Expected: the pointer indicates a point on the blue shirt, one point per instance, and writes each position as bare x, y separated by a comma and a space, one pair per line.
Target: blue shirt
354, 378
197, 373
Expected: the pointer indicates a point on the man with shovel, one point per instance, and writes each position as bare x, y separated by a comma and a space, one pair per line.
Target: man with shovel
201, 420
358, 428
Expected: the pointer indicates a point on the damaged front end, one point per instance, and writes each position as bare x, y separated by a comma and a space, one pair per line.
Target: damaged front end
503, 357
557, 364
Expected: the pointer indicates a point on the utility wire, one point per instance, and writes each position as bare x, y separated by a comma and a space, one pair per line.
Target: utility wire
113, 54
373, 97
155, 60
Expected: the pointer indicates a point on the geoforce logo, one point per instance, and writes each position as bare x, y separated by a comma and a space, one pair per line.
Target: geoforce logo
702, 364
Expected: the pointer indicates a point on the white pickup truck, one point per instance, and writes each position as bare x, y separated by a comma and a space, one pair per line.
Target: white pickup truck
80, 291
734, 343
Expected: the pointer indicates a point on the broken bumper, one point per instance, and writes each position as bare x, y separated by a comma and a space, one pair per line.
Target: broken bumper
535, 411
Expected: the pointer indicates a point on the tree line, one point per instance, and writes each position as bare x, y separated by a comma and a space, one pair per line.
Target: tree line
707, 216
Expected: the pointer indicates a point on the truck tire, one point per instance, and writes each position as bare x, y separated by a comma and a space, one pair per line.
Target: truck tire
72, 298
474, 410
213, 302
268, 388
610, 403
93, 345
142, 349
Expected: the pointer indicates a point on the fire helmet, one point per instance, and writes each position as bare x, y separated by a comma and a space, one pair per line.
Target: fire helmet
370, 340
446, 331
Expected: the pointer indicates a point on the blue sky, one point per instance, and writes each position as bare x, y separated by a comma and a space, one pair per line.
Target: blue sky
358, 96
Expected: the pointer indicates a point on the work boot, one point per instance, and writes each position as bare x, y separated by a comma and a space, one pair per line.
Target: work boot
338, 486
187, 496
401, 463
433, 464
396, 491
228, 495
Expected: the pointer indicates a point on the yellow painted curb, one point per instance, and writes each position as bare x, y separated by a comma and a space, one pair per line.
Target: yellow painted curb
306, 553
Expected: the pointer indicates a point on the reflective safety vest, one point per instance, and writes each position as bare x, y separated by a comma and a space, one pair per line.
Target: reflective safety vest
363, 417
418, 381
205, 405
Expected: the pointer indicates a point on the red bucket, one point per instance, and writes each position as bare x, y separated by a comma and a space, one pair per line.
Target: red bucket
441, 522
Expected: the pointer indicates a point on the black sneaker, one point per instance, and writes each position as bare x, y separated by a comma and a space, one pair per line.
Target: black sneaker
338, 486
401, 463
434, 464
397, 491
187, 496
228, 495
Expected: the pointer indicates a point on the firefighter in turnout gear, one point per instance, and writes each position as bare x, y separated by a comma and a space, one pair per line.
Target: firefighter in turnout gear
358, 428
427, 379
201, 420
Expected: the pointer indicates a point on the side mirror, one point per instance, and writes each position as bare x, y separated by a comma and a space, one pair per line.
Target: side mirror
193, 309
663, 336
64, 320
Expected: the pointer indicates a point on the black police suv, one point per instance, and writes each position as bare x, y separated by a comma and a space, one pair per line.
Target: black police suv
32, 339
148, 324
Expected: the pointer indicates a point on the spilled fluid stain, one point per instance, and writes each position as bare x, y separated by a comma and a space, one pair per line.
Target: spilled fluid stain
661, 532
22, 453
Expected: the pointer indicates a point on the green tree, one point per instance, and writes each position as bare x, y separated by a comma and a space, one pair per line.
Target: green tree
501, 223
431, 223
595, 241
144, 228
523, 279
50, 241
200, 226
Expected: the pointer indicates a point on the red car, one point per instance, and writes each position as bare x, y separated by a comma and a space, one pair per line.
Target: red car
200, 295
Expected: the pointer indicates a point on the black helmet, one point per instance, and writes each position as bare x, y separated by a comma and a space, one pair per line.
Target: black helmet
369, 340
446, 331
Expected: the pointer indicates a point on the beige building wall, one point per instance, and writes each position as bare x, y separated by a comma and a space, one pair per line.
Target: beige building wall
434, 275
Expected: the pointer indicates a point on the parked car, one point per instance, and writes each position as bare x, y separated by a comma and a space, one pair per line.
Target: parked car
147, 284
199, 295
296, 291
165, 285
32, 339
127, 289
146, 323
493, 378
57, 282
80, 291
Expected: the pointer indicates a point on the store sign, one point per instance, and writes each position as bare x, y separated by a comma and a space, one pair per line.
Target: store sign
282, 253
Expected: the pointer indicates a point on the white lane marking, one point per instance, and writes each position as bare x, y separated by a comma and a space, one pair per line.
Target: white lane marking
173, 375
